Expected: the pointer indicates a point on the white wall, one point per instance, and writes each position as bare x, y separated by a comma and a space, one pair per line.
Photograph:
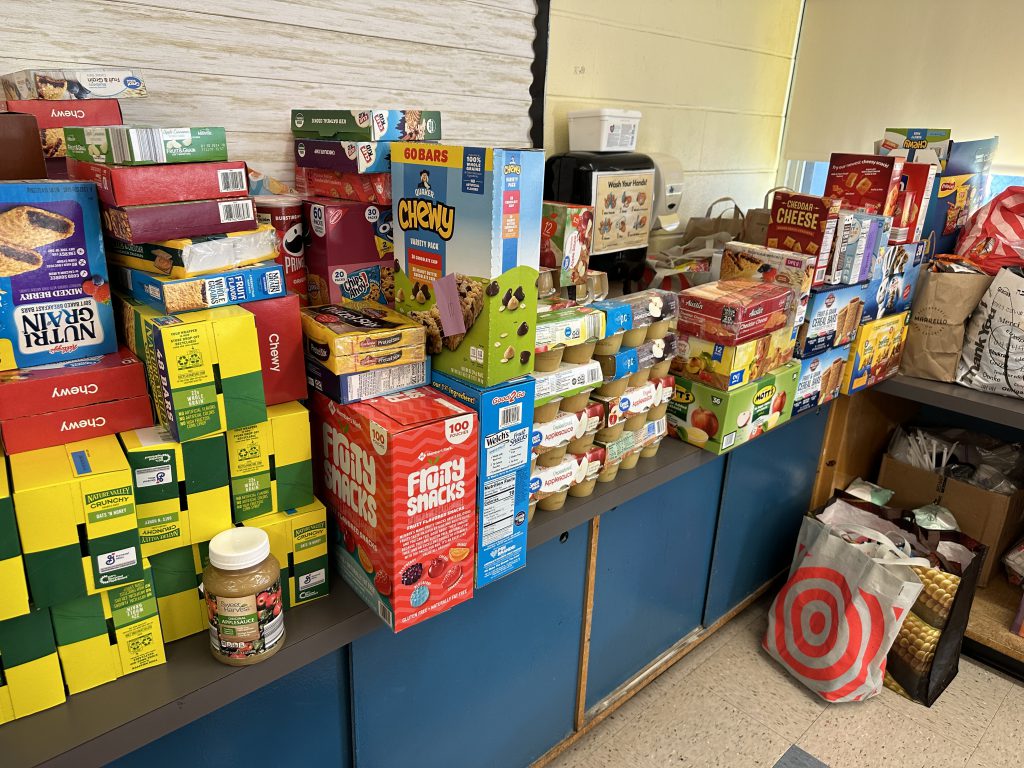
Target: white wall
243, 64
710, 76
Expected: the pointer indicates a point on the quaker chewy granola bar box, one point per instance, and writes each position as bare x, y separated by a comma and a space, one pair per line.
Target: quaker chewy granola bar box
467, 224
54, 296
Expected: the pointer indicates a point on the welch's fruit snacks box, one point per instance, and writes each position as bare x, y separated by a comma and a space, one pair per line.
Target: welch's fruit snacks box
54, 295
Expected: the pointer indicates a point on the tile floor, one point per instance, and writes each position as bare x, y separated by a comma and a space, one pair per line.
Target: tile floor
728, 704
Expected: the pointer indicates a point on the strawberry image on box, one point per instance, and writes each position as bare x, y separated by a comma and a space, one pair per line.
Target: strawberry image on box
398, 475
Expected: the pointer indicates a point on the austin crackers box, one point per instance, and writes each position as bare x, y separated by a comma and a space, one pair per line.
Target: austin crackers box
804, 224
868, 183
54, 298
398, 475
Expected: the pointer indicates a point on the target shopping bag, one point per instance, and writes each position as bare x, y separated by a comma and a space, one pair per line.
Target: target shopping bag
838, 614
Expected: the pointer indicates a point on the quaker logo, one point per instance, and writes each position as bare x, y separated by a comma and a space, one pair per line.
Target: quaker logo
764, 395
300, 149
58, 327
427, 215
535, 484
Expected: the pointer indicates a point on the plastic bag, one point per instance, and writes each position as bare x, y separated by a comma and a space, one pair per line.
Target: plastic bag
992, 359
994, 235
876, 494
935, 517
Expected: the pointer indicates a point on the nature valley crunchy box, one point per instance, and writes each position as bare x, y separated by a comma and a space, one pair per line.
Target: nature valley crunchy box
399, 475
59, 490
54, 295
177, 580
298, 539
12, 565
31, 679
467, 226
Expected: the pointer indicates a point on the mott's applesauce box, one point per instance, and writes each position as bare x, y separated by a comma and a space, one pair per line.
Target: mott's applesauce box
31, 680
467, 243
90, 654
12, 565
298, 539
399, 476
182, 491
177, 582
59, 490
204, 370
271, 463
719, 421
54, 295
505, 412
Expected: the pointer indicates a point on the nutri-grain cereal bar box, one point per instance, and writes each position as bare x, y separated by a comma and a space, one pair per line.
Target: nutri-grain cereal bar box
398, 476
54, 295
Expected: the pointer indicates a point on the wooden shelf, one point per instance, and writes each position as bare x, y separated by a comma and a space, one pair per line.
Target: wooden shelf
988, 634
953, 397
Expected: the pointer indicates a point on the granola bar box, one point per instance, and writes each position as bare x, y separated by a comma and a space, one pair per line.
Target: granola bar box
54, 297
154, 184
53, 117
349, 251
868, 183
821, 378
73, 84
169, 221
188, 294
399, 477
804, 224
12, 564
467, 241
367, 124
279, 333
343, 156
355, 336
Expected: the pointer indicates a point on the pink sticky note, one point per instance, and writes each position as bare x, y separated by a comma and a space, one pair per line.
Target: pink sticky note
449, 306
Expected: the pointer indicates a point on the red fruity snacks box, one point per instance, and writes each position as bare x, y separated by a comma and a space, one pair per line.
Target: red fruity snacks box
865, 183
279, 333
155, 184
398, 474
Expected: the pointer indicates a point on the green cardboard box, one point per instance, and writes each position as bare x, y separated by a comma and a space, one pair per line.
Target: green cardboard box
127, 145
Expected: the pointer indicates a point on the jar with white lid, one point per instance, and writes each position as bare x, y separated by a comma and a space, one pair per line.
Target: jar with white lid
245, 606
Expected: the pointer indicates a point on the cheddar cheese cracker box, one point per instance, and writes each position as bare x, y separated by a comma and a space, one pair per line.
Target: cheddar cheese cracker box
12, 565
204, 370
177, 583
298, 539
505, 413
868, 183
90, 654
31, 679
182, 490
54, 297
398, 474
876, 352
804, 224
58, 491
270, 463
467, 241
367, 124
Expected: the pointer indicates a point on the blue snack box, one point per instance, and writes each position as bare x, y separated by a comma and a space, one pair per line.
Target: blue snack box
348, 388
618, 315
54, 297
503, 486
891, 290
173, 296
821, 378
833, 316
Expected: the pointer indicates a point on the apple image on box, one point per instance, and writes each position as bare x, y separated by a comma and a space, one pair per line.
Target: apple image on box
779, 403
705, 420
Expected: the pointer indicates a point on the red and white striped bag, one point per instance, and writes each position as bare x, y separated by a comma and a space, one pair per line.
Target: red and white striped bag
994, 235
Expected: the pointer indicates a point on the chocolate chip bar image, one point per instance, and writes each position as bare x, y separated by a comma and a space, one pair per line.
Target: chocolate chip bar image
15, 260
31, 227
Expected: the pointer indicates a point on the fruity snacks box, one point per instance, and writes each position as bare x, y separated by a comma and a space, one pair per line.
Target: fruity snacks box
804, 224
71, 84
398, 474
188, 294
270, 463
349, 251
58, 491
343, 156
876, 352
467, 242
155, 184
367, 124
719, 421
204, 371
821, 379
130, 145
32, 679
181, 490
505, 413
91, 655
298, 539
868, 183
12, 565
54, 296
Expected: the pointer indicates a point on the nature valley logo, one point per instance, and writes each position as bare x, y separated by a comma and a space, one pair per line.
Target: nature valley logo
428, 215
765, 395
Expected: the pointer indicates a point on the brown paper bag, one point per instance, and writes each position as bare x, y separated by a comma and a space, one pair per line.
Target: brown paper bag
755, 223
943, 303
708, 225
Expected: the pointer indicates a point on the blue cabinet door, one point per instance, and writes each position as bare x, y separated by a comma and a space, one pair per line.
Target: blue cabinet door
653, 555
768, 485
301, 719
491, 682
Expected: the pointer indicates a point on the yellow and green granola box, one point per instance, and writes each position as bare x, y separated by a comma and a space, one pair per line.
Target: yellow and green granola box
90, 654
131, 316
182, 492
271, 463
13, 586
177, 580
30, 679
298, 539
204, 369
86, 483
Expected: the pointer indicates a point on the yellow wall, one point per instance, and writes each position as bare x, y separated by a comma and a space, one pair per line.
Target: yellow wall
710, 76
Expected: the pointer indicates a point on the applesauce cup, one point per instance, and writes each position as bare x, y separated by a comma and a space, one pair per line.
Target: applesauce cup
583, 489
610, 434
657, 412
658, 329
610, 345
635, 422
580, 353
554, 501
650, 451
639, 378
613, 388
549, 360
661, 369
547, 283
597, 284
552, 457
608, 472
545, 413
575, 403
581, 444
634, 337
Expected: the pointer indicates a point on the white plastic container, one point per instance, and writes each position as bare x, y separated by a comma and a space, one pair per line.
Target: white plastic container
603, 130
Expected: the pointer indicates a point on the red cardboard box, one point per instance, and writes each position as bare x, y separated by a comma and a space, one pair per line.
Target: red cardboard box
59, 114
72, 384
912, 203
867, 183
804, 224
361, 187
279, 332
45, 430
733, 311
398, 474
151, 223
155, 184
